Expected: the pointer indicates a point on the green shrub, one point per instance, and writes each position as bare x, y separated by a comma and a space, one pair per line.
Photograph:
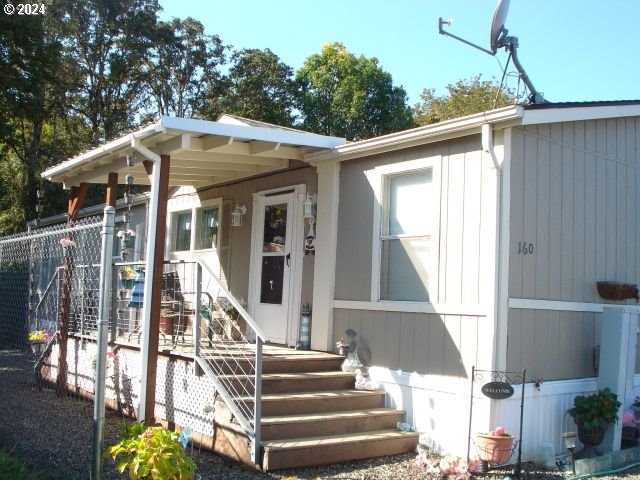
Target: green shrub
597, 410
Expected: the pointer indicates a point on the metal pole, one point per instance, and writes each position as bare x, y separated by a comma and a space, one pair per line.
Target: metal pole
103, 330
519, 465
473, 378
257, 404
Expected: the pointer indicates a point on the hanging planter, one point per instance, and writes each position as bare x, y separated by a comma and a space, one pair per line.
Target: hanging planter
618, 291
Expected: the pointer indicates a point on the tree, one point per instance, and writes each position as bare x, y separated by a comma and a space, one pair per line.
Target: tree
109, 41
35, 77
182, 64
261, 87
465, 97
350, 97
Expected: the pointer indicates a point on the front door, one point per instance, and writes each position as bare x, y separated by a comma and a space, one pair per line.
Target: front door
272, 264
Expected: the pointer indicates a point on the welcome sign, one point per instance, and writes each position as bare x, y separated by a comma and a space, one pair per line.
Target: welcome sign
497, 390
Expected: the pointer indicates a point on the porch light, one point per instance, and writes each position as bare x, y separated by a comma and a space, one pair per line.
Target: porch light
307, 206
129, 180
237, 214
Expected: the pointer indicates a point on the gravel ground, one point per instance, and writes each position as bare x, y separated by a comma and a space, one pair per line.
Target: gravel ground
54, 435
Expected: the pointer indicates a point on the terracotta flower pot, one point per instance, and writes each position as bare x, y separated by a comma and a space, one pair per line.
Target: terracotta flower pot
494, 449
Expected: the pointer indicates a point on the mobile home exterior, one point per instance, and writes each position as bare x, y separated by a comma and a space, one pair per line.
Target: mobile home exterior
472, 242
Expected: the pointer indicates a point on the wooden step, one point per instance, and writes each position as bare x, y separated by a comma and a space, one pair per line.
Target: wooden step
333, 423
317, 402
324, 450
277, 364
292, 382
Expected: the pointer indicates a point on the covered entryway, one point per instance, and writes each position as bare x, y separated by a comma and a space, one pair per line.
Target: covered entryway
176, 152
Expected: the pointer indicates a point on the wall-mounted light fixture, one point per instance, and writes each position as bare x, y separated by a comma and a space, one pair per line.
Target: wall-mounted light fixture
237, 214
308, 206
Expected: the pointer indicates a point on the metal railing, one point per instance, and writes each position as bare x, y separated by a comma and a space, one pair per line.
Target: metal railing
231, 357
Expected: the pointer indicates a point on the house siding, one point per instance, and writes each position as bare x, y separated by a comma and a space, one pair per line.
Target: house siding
427, 343
574, 195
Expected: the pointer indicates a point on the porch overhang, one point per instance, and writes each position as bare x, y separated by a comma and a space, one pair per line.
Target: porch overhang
202, 152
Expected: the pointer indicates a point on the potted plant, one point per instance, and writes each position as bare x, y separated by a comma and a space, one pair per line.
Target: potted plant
166, 321
593, 414
151, 452
495, 447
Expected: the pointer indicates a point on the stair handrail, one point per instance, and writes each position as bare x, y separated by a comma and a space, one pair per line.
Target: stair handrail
251, 425
245, 315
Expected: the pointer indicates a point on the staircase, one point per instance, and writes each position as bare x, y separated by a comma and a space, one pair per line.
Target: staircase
312, 415
280, 408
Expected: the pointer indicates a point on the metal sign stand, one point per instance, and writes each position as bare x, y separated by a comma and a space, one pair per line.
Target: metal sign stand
497, 385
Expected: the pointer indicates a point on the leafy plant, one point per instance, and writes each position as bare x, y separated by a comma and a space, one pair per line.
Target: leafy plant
151, 452
597, 410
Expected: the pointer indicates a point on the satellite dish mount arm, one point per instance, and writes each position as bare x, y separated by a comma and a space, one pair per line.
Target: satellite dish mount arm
441, 31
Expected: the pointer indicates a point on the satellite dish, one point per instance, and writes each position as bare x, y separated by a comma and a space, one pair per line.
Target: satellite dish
499, 39
497, 26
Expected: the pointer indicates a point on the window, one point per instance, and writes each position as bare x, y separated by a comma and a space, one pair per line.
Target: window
406, 214
183, 232
208, 219
197, 228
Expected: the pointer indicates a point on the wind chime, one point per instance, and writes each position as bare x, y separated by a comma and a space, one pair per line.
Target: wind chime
127, 235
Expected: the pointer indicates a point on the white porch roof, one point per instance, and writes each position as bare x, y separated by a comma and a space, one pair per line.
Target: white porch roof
202, 152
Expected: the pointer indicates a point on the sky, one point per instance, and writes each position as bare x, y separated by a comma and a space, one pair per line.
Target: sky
572, 50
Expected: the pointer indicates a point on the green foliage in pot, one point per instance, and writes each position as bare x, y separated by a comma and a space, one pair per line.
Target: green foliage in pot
597, 410
153, 453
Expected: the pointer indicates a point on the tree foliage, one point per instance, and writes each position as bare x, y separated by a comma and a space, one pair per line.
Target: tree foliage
465, 97
261, 87
180, 67
350, 96
109, 41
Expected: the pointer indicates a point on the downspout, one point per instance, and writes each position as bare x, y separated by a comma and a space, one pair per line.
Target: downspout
487, 146
154, 202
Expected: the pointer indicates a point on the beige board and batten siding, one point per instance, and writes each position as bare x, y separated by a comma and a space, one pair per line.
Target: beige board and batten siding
574, 197
428, 343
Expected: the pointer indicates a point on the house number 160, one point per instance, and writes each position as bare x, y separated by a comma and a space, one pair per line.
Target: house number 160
525, 248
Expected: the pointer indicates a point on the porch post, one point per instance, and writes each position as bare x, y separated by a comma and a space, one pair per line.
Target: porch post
325, 258
158, 172
76, 199
112, 190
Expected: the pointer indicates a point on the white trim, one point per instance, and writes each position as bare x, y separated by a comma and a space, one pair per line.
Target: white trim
562, 306
413, 307
576, 114
377, 179
502, 308
298, 193
324, 270
267, 134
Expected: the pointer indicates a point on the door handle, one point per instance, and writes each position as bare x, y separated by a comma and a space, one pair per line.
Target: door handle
288, 259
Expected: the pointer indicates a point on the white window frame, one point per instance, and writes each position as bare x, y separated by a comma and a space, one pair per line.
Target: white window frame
195, 225
377, 178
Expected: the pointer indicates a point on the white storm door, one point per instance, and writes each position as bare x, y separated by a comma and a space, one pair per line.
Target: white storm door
273, 263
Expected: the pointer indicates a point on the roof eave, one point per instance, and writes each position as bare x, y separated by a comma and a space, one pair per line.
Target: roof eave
58, 172
417, 136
